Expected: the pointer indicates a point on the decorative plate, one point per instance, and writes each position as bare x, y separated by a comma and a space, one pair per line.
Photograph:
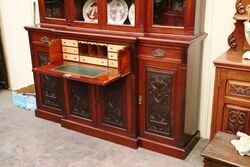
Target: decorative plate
90, 11
117, 12
131, 14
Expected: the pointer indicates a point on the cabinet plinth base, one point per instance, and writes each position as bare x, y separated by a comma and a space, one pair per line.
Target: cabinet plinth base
170, 150
99, 133
48, 115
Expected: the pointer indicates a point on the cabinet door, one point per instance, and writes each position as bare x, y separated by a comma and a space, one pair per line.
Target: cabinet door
123, 15
168, 16
86, 13
54, 11
115, 111
82, 102
48, 88
157, 94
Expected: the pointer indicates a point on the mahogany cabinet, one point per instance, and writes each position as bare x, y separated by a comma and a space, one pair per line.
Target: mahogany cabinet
231, 109
117, 69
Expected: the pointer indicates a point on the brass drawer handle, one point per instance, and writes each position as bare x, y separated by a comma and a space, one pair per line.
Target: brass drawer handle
159, 53
45, 40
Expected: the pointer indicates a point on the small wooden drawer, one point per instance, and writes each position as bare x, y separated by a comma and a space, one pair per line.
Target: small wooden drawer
160, 52
113, 63
70, 57
70, 50
238, 88
112, 55
41, 38
114, 48
93, 60
67, 42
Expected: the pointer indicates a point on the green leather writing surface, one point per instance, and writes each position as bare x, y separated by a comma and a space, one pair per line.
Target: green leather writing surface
80, 70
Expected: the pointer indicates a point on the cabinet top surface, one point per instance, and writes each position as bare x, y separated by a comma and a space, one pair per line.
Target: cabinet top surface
232, 59
220, 149
116, 35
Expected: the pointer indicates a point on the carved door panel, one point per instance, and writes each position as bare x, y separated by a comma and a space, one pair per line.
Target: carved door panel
82, 102
49, 93
51, 88
157, 98
40, 55
236, 119
114, 109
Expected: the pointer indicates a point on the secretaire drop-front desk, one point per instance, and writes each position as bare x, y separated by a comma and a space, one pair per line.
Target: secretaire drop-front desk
119, 70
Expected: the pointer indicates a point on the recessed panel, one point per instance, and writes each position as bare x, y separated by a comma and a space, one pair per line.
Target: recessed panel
80, 70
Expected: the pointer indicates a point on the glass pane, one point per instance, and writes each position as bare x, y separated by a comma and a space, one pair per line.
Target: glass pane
86, 10
54, 8
169, 12
121, 12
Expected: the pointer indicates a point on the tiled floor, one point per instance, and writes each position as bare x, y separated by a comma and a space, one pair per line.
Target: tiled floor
27, 141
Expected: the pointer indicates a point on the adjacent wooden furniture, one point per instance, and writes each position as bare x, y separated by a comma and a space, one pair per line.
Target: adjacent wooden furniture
231, 107
117, 69
221, 153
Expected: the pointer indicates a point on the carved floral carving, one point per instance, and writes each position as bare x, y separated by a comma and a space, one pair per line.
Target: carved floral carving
113, 104
79, 101
43, 58
159, 102
240, 90
50, 91
237, 120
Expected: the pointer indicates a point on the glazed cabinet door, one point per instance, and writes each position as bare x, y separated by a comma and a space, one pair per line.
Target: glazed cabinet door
157, 94
86, 13
168, 16
122, 15
54, 11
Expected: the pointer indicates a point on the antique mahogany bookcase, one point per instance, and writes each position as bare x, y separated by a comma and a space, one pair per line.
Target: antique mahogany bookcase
231, 103
117, 69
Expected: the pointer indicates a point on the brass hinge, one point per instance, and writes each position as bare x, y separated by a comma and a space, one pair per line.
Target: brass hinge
140, 100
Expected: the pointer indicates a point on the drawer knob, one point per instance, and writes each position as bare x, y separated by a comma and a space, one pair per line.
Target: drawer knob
159, 53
